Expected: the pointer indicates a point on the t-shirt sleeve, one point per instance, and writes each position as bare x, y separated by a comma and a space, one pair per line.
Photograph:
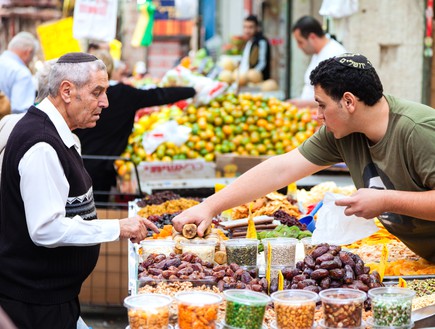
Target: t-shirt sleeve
321, 149
421, 152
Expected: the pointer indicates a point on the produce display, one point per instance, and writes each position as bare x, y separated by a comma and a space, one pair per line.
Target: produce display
283, 251
243, 124
168, 207
329, 267
242, 252
148, 311
188, 266
269, 205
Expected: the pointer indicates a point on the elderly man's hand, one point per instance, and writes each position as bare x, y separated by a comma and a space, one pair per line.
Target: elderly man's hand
135, 228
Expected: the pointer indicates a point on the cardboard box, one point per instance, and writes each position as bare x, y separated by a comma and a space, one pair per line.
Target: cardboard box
230, 165
177, 169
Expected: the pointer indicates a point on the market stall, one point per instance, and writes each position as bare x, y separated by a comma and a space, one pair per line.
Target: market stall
271, 276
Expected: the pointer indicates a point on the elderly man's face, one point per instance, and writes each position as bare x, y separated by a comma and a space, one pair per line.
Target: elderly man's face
88, 102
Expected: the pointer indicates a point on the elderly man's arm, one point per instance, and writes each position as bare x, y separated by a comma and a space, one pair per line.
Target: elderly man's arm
44, 190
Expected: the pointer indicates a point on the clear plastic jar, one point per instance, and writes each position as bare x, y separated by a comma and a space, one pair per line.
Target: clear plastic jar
391, 306
202, 248
342, 307
294, 309
157, 246
197, 310
149, 311
243, 252
245, 308
283, 251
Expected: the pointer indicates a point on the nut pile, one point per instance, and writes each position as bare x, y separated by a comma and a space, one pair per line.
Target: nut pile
187, 266
329, 267
156, 319
342, 315
295, 316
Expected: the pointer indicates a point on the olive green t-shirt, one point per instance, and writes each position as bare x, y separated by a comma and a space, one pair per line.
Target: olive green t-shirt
403, 160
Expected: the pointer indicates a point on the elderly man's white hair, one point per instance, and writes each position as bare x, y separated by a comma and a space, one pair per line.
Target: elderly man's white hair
23, 41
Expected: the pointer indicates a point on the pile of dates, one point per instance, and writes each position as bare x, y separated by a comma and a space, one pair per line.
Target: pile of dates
189, 267
329, 267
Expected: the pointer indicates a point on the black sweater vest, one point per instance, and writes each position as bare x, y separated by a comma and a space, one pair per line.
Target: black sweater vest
30, 273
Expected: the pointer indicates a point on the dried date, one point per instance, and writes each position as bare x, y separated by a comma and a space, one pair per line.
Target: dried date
319, 274
337, 273
320, 250
324, 258
329, 264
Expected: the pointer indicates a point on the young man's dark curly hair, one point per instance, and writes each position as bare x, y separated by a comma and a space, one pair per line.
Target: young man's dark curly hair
335, 79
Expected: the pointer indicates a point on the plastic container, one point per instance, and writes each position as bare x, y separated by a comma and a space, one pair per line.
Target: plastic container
294, 309
342, 307
283, 251
197, 310
308, 245
391, 306
202, 248
149, 311
245, 308
157, 246
243, 252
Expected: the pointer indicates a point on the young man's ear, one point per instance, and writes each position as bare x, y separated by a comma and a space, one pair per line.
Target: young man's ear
349, 101
65, 90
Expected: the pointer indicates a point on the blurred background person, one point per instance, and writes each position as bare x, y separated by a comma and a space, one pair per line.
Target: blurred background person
312, 40
256, 54
110, 136
15, 77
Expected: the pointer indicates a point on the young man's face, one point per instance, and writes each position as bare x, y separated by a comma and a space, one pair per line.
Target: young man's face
88, 102
304, 44
249, 30
332, 114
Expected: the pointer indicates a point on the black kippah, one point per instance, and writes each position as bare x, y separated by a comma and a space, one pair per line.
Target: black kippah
355, 61
77, 58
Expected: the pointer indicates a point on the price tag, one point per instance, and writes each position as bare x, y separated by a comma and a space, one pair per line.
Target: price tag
269, 258
251, 233
383, 262
280, 280
402, 283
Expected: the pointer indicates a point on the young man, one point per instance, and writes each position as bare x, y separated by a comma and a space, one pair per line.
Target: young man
256, 54
49, 238
313, 41
387, 143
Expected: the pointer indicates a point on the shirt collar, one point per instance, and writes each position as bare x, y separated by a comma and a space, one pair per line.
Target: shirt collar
62, 128
11, 55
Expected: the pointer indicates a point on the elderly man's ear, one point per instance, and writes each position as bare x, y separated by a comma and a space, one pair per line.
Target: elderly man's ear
65, 91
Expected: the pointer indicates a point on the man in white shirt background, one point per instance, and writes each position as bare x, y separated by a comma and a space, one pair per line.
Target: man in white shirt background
49, 235
15, 77
312, 40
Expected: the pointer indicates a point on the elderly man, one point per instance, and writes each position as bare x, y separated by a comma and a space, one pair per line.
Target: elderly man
49, 238
15, 77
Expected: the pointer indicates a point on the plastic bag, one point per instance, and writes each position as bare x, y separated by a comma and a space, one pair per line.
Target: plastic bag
334, 227
169, 131
207, 89
338, 8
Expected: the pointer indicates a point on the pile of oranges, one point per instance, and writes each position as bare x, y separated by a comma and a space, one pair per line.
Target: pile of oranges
243, 124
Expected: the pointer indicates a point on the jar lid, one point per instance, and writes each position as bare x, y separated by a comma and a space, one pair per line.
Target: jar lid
294, 296
279, 241
198, 243
391, 293
342, 295
157, 242
241, 242
147, 301
246, 297
197, 298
